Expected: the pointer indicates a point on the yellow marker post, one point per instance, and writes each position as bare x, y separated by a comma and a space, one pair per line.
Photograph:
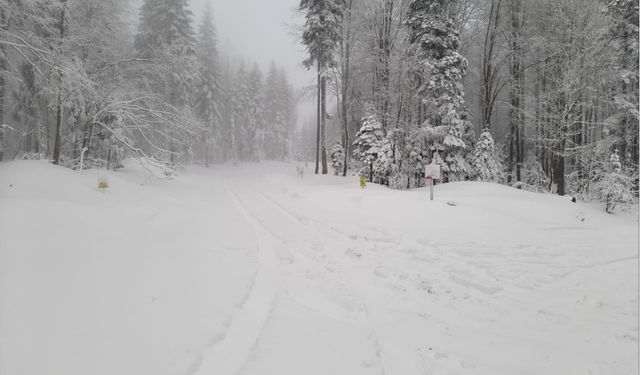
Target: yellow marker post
363, 182
103, 182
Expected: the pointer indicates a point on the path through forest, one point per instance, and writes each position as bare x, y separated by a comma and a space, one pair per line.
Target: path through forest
250, 270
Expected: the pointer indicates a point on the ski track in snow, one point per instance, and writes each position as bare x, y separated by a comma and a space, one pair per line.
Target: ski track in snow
230, 354
391, 360
466, 278
326, 264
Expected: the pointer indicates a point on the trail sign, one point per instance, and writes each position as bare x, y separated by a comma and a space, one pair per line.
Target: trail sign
432, 172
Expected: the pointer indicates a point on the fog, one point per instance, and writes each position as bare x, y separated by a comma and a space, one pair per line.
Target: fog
259, 31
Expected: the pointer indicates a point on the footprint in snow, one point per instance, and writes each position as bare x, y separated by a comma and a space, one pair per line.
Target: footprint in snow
353, 253
380, 273
216, 338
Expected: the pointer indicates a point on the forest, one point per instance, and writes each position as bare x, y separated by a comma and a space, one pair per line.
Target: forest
318, 187
87, 81
541, 95
537, 94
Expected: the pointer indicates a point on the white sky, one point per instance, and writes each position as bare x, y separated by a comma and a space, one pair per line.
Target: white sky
259, 30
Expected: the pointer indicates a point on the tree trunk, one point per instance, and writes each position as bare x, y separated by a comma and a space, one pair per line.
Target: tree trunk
346, 61
516, 117
538, 120
3, 66
2, 95
559, 167
318, 108
206, 154
489, 72
58, 133
323, 123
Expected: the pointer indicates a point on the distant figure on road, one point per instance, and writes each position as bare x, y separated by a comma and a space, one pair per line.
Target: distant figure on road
363, 182
300, 171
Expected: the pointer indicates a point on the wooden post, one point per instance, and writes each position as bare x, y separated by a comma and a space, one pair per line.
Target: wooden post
430, 187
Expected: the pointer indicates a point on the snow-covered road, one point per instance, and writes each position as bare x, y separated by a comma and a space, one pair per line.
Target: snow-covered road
250, 270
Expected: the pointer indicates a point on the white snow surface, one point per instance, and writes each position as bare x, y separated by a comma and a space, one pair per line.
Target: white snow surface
250, 270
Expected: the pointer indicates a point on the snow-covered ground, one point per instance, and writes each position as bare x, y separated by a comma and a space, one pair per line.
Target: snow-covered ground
250, 270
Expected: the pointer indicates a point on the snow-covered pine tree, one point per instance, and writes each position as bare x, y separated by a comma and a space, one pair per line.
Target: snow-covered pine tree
165, 35
271, 117
165, 23
434, 35
236, 113
208, 98
287, 105
367, 144
404, 161
242, 130
278, 113
383, 166
337, 159
255, 113
614, 187
485, 160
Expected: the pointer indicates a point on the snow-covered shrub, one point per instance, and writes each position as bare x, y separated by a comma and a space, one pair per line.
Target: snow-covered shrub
383, 165
485, 161
408, 171
337, 159
534, 178
367, 144
614, 187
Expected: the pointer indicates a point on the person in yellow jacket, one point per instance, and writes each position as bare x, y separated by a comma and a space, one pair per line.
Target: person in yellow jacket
363, 182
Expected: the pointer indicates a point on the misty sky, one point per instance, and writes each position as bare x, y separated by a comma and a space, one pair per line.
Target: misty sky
258, 30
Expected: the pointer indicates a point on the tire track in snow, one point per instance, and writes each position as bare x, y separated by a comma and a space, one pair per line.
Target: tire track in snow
230, 355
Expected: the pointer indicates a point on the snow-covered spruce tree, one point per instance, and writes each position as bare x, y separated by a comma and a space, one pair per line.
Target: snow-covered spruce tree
321, 34
485, 160
383, 166
165, 23
447, 130
255, 114
614, 187
242, 131
166, 37
403, 162
208, 98
366, 147
337, 159
278, 113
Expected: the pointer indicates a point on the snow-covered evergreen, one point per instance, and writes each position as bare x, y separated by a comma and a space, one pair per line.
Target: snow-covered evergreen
337, 159
434, 34
163, 24
208, 99
279, 115
366, 146
485, 160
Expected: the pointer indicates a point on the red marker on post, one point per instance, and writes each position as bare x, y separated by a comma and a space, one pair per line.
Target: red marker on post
431, 172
